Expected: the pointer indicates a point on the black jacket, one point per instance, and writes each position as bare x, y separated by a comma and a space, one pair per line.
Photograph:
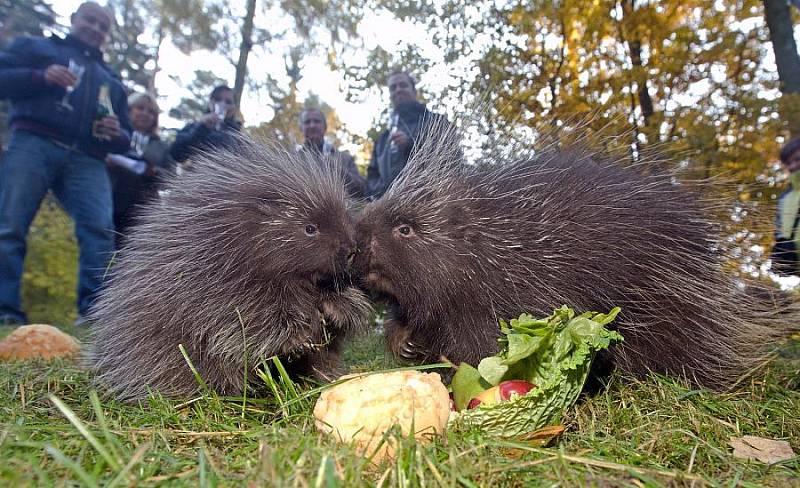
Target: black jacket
385, 164
131, 189
354, 182
196, 136
36, 104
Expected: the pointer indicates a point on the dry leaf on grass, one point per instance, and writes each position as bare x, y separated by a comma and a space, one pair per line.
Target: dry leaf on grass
765, 450
543, 436
539, 438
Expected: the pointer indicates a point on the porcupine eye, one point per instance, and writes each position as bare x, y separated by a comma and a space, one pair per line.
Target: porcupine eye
403, 231
311, 230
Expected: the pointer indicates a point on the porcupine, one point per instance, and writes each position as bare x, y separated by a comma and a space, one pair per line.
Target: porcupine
244, 257
452, 248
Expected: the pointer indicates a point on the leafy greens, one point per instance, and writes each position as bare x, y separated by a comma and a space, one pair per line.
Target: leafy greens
554, 353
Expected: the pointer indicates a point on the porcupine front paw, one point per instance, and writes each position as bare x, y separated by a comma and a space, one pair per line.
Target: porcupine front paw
348, 309
402, 345
325, 366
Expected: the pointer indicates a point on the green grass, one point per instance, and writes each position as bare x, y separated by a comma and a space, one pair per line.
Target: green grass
55, 431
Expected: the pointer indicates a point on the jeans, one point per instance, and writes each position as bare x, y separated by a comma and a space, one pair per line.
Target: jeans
32, 165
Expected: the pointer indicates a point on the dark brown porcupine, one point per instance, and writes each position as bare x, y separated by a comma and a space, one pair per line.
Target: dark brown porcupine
453, 248
243, 258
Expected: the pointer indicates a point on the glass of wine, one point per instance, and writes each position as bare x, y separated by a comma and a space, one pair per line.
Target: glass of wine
77, 70
220, 108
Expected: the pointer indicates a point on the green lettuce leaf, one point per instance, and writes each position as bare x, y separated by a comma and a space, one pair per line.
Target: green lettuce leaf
554, 353
467, 383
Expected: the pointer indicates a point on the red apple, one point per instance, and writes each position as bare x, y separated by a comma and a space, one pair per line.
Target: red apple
489, 397
514, 387
503, 391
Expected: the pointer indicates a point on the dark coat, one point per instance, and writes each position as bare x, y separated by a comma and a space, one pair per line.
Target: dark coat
36, 104
132, 190
353, 180
196, 136
385, 164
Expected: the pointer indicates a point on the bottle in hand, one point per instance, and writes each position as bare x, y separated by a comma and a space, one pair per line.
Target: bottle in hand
104, 109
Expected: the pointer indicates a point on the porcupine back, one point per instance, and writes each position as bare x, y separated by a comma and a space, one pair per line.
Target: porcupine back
566, 227
223, 264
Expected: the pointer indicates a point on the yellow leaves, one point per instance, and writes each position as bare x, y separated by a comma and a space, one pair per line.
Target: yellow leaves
790, 111
575, 34
582, 107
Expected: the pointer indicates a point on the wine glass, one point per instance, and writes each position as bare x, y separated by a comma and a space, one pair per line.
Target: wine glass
77, 70
394, 120
220, 108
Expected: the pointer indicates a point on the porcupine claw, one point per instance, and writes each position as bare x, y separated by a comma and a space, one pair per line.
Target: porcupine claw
411, 351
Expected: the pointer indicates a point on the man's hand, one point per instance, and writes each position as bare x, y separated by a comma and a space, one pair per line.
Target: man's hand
400, 139
209, 120
59, 75
107, 128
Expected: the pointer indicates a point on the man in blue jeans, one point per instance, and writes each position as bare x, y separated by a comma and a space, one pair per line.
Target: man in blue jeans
68, 111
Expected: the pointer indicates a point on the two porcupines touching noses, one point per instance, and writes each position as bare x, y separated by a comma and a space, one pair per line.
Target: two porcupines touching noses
253, 254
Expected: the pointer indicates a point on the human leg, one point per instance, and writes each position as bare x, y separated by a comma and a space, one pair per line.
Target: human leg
25, 175
84, 190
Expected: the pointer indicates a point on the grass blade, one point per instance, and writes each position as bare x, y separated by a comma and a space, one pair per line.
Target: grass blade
326, 474
72, 465
197, 377
286, 380
113, 443
74, 420
137, 456
246, 366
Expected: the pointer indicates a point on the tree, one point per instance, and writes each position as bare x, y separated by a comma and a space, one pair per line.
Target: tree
196, 103
24, 18
244, 32
285, 124
781, 32
244, 51
127, 52
684, 79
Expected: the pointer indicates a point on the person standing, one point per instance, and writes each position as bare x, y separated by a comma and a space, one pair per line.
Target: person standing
217, 128
784, 255
408, 121
314, 125
136, 173
68, 111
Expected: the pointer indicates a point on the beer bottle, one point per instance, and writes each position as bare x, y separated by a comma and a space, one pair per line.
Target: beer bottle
104, 109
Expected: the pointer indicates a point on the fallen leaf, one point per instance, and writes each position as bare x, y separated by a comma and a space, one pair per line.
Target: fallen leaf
767, 451
543, 436
538, 438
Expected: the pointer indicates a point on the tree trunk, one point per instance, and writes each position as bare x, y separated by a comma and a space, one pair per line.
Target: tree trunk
645, 100
151, 82
779, 20
638, 73
244, 51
